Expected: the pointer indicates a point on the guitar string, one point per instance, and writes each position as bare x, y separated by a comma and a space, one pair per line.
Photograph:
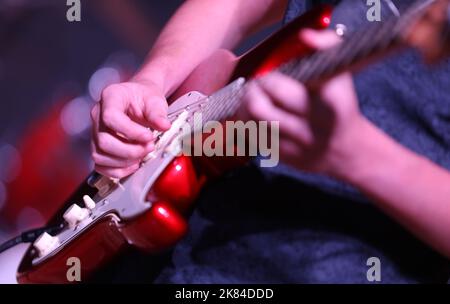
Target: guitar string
299, 67
362, 44
340, 57
381, 38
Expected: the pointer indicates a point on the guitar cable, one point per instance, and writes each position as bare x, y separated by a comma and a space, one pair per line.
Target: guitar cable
29, 236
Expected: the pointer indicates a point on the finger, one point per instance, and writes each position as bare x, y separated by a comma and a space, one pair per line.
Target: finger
118, 122
109, 160
285, 92
344, 85
94, 113
319, 39
261, 108
116, 172
290, 151
109, 144
113, 114
156, 113
104, 142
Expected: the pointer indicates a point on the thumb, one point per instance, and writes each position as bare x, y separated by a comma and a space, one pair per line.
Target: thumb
156, 113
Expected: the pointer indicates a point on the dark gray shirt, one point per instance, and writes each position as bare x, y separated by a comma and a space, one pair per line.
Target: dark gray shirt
408, 100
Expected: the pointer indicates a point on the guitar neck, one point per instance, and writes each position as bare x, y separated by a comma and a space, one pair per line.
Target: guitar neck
356, 52
361, 49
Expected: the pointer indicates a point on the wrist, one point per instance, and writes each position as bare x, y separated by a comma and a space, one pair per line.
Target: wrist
154, 73
366, 153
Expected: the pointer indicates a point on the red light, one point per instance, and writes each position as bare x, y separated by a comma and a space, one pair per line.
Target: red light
163, 212
326, 20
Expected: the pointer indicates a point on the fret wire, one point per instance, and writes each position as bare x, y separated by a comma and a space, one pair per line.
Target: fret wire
235, 100
303, 69
384, 36
217, 100
225, 103
361, 39
313, 72
212, 104
227, 106
216, 113
219, 107
362, 47
232, 105
320, 60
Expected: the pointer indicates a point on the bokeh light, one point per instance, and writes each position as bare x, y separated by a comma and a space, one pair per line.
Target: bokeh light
10, 162
3, 195
75, 117
29, 218
102, 78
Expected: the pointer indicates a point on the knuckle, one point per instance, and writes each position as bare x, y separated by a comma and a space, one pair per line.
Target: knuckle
134, 153
156, 107
103, 142
108, 91
255, 109
156, 102
108, 116
95, 157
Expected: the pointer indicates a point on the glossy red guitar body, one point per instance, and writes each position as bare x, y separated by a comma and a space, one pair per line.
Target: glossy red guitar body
177, 187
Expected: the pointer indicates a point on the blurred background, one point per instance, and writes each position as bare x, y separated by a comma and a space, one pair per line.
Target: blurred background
51, 73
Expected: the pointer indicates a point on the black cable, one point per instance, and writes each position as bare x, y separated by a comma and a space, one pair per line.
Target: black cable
29, 236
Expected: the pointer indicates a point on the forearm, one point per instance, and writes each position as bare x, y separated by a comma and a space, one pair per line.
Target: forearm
409, 187
197, 29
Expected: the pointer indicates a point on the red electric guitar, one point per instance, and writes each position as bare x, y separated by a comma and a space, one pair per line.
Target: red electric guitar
147, 209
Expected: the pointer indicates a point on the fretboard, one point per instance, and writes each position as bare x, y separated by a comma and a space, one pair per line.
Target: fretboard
373, 42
